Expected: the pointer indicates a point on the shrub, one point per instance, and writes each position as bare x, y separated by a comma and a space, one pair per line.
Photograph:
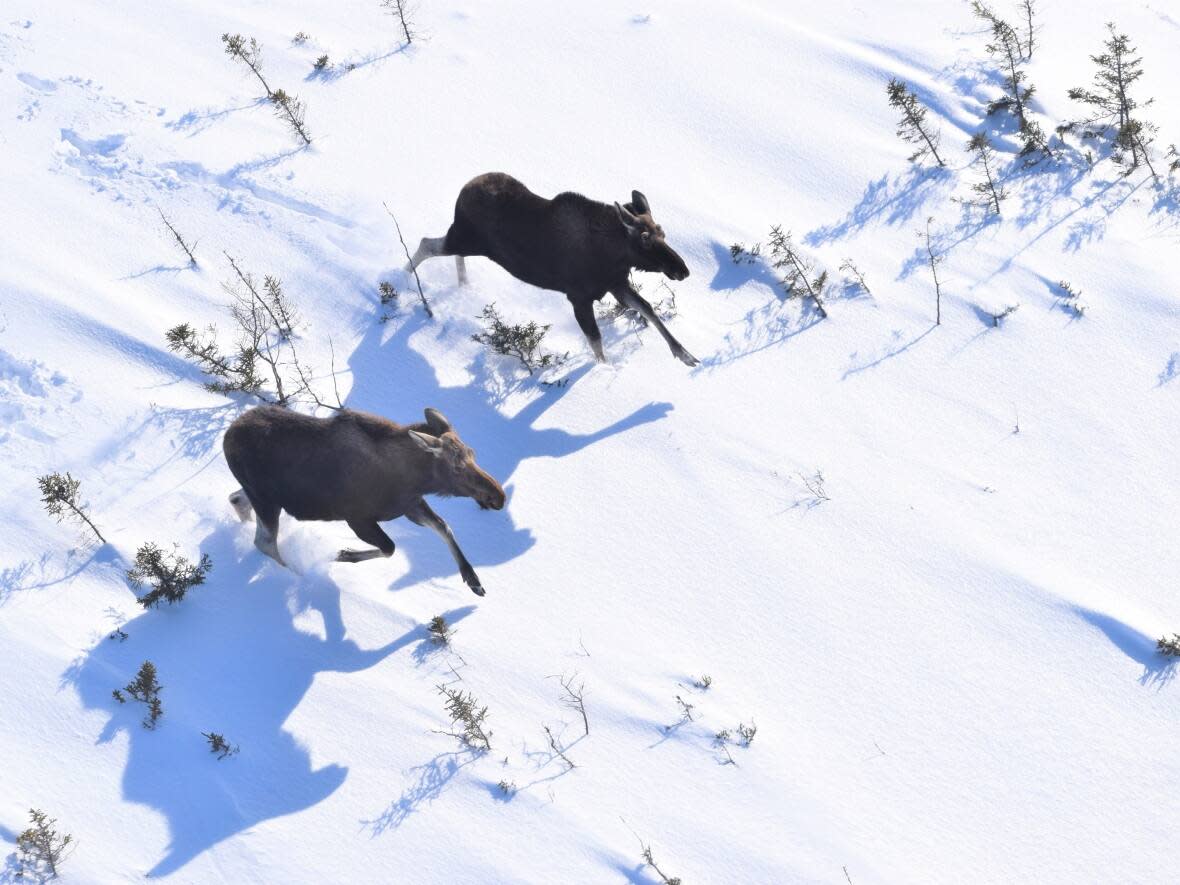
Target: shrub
169, 575
40, 848
321, 63
468, 716
520, 341
440, 631
219, 745
1170, 647
145, 689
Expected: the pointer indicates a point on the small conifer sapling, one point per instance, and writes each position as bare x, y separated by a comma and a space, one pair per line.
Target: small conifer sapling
146, 689
913, 127
168, 574
59, 494
41, 848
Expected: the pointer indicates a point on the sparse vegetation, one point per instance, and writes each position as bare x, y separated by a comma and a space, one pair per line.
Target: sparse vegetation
403, 11
815, 485
169, 574
59, 494
575, 698
300, 38
998, 317
120, 634
1114, 106
249, 53
651, 862
721, 741
41, 849
219, 745
1071, 299
664, 307
933, 260
558, 751
406, 249
440, 631
189, 250
912, 127
321, 63
388, 295
990, 190
746, 733
522, 341
265, 350
290, 110
467, 718
145, 689
855, 279
797, 269
1009, 54
703, 683
1169, 647
507, 787
741, 255
685, 713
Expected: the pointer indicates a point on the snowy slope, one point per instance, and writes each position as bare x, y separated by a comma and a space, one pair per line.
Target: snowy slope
951, 662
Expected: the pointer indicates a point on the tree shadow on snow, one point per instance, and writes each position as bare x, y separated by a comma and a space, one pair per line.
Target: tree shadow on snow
231, 660
393, 379
1158, 670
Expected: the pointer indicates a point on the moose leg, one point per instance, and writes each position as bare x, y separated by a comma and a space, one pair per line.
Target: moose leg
421, 514
430, 247
584, 314
241, 505
628, 297
371, 533
461, 269
266, 534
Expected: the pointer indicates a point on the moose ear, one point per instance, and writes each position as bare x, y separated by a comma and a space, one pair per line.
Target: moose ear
426, 442
437, 422
628, 220
639, 201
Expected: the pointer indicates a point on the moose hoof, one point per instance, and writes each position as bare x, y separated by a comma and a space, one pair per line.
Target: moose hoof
478, 590
688, 359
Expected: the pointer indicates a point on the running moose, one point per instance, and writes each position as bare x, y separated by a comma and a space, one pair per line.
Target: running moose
355, 467
570, 244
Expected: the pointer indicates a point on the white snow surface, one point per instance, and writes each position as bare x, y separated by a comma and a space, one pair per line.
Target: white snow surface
951, 662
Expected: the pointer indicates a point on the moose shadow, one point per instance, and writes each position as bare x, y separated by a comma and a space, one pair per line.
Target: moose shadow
230, 659
391, 378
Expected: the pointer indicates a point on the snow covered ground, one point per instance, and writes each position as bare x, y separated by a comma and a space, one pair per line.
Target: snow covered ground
951, 662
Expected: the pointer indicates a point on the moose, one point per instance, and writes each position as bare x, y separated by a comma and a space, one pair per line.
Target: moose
356, 467
570, 244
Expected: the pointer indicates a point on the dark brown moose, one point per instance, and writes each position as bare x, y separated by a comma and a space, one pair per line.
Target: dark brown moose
569, 244
355, 467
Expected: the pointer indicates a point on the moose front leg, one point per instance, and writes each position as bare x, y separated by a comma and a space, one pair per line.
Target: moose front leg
628, 297
371, 533
421, 514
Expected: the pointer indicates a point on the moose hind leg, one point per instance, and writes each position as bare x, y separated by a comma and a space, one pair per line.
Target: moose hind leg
584, 314
266, 534
242, 506
371, 533
422, 515
628, 297
461, 269
430, 247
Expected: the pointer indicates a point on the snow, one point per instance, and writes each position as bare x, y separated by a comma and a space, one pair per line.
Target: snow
951, 662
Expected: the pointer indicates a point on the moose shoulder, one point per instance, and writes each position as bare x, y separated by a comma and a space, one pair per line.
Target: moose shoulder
570, 244
356, 467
